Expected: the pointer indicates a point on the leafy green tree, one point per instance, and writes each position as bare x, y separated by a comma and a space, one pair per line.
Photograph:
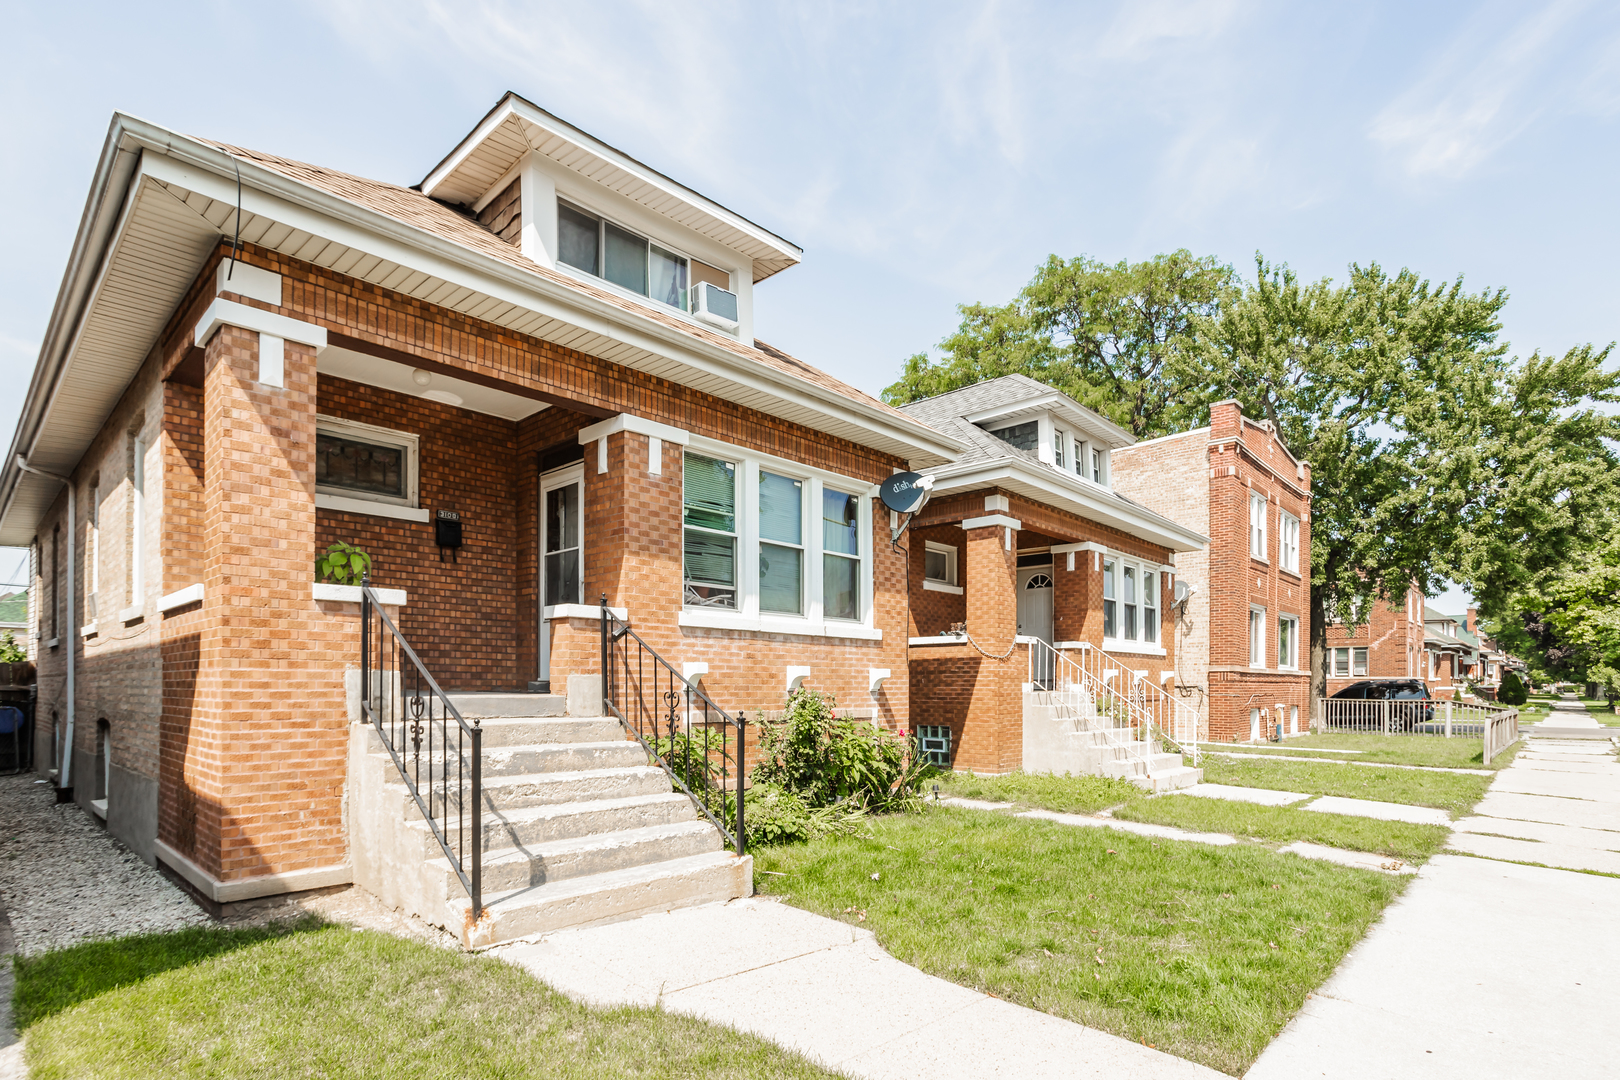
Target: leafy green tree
1112, 336
1512, 691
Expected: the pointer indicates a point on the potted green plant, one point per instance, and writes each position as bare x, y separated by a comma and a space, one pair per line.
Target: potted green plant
343, 564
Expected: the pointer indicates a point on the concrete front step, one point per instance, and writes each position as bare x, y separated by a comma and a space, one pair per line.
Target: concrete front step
559, 860
532, 758
533, 826
471, 705
639, 890
1182, 776
544, 730
502, 793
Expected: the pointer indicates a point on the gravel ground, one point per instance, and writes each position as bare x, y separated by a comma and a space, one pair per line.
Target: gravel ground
63, 879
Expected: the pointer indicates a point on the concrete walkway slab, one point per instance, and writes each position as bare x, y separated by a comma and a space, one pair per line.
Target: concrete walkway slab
1597, 839
1481, 969
974, 804
1383, 811
1360, 860
1562, 856
829, 991
1262, 796
1600, 787
1596, 767
1158, 832
1554, 811
1363, 764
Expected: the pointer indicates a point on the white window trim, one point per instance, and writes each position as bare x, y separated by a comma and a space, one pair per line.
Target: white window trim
353, 429
1154, 647
1257, 649
1257, 526
1293, 643
1288, 551
951, 583
1366, 663
747, 616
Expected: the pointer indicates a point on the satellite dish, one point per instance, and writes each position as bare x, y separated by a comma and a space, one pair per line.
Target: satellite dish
905, 492
1183, 593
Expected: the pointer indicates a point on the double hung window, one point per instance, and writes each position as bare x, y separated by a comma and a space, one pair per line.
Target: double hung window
1060, 440
751, 544
709, 516
1350, 661
1080, 457
1130, 602
1096, 466
1290, 543
1288, 642
1110, 601
1257, 637
1257, 525
841, 561
781, 544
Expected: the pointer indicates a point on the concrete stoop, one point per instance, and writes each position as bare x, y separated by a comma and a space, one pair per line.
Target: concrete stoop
1063, 733
577, 828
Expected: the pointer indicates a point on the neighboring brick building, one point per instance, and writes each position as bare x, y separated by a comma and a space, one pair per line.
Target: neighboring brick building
1025, 540
1242, 632
518, 340
1389, 645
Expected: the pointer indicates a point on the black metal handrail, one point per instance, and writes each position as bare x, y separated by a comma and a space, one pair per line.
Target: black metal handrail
696, 742
443, 764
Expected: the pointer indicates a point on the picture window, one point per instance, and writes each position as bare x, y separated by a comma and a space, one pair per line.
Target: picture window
358, 461
939, 563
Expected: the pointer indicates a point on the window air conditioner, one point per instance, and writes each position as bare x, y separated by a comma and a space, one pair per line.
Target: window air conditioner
715, 305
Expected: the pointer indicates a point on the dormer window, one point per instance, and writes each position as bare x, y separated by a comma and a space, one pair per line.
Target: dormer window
1060, 440
1026, 436
634, 263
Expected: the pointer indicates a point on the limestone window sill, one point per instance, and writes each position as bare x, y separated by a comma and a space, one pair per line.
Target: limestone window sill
51, 644
88, 630
350, 594
366, 506
1130, 648
940, 586
939, 639
130, 614
99, 808
583, 611
191, 594
728, 620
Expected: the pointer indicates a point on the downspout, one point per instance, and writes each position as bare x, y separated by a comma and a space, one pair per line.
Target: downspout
64, 781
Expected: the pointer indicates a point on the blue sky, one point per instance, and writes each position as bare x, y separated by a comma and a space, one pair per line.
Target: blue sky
923, 155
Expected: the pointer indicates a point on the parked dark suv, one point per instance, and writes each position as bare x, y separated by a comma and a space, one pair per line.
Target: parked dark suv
1364, 705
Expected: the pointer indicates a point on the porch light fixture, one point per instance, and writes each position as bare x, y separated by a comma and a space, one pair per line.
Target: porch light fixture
420, 377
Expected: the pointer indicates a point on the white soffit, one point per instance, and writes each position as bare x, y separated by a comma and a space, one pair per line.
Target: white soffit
375, 371
516, 126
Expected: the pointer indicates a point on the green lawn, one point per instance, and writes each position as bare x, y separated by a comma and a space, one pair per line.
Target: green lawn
1277, 825
313, 1001
1434, 750
1455, 792
1065, 794
1202, 952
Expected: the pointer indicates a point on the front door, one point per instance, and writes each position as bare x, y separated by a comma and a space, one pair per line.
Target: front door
1035, 619
562, 566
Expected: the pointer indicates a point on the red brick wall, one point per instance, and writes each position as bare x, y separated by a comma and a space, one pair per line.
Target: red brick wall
932, 611
1393, 640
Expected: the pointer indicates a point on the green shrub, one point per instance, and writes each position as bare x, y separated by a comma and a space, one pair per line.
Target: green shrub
343, 564
10, 651
1512, 690
772, 815
825, 760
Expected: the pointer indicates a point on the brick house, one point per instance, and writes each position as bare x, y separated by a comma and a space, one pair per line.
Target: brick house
1389, 645
1027, 552
1242, 631
1452, 654
544, 338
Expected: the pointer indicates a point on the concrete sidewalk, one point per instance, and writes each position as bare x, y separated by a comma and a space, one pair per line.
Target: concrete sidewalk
829, 991
1485, 967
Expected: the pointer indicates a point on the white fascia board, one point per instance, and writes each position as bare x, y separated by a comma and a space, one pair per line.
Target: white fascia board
229, 313
1136, 521
638, 424
196, 167
1091, 423
513, 105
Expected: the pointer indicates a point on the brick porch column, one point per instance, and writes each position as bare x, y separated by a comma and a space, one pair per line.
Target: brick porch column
265, 751
993, 736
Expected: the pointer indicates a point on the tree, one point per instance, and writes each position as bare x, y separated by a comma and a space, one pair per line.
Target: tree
1382, 385
1113, 337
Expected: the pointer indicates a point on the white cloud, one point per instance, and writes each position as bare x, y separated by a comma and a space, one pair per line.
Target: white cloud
1485, 89
1141, 27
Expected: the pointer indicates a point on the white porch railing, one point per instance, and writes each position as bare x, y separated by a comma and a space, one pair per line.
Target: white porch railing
1497, 725
1123, 698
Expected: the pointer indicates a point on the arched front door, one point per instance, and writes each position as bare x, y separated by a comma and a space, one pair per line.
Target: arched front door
1035, 619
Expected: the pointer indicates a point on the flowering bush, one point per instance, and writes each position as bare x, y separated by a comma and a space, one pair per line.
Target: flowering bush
824, 760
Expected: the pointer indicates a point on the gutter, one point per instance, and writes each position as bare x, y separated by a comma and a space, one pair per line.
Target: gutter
64, 777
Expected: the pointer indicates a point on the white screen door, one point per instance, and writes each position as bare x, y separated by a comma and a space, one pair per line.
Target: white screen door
562, 563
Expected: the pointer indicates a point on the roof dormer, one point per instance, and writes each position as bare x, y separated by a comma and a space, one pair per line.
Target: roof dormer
573, 204
1059, 432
